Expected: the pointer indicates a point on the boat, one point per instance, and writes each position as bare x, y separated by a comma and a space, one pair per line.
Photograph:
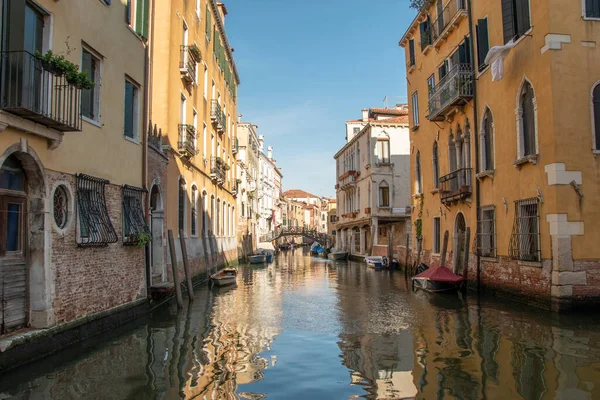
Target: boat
337, 255
269, 256
257, 258
376, 262
437, 279
224, 277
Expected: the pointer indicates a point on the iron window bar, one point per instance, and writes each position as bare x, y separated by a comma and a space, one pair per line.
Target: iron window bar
95, 227
485, 238
134, 222
525, 239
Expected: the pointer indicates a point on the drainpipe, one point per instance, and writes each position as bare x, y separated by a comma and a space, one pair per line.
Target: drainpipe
476, 139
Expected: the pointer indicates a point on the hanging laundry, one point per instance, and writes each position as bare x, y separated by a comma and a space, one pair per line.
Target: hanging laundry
495, 57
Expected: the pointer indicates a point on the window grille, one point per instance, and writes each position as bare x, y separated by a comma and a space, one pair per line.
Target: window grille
95, 227
525, 238
485, 239
134, 222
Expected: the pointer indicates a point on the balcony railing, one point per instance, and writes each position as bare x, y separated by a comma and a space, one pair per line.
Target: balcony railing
217, 170
217, 116
187, 65
348, 179
448, 20
455, 88
235, 146
187, 140
234, 188
411, 62
456, 185
33, 91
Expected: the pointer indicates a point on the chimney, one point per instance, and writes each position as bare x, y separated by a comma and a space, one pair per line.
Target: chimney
261, 142
222, 11
270, 152
365, 115
239, 118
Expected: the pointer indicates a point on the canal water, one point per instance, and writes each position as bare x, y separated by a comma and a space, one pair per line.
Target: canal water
308, 328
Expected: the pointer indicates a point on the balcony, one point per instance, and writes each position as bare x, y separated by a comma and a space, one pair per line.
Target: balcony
187, 140
455, 186
187, 65
33, 91
456, 88
447, 21
234, 188
217, 116
217, 170
347, 180
235, 146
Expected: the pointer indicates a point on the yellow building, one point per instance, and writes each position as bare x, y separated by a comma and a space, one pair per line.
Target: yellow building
71, 160
513, 159
193, 103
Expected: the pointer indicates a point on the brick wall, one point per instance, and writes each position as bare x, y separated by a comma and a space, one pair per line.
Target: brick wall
89, 280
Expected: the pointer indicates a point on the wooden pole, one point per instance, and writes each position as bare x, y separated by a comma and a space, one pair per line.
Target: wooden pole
406, 255
176, 282
444, 248
466, 250
186, 266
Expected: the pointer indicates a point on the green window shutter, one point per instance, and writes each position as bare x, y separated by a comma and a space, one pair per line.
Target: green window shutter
146, 18
208, 22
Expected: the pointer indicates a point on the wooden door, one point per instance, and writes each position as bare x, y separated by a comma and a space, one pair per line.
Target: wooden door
13, 267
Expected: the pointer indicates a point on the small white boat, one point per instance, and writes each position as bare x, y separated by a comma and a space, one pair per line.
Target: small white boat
224, 277
337, 255
376, 262
258, 259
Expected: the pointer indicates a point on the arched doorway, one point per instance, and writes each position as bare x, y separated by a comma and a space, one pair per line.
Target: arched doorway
460, 228
157, 251
22, 255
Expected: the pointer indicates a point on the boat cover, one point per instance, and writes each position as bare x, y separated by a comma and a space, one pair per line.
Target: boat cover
440, 274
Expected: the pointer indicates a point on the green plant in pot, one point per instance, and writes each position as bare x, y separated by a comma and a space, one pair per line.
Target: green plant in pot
142, 239
60, 66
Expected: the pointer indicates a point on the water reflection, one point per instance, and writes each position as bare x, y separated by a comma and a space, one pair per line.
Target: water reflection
310, 328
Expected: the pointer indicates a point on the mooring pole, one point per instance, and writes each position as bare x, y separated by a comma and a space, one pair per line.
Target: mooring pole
466, 250
444, 249
406, 255
176, 282
186, 266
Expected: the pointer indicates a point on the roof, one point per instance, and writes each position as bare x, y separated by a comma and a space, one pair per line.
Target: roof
298, 194
390, 111
402, 119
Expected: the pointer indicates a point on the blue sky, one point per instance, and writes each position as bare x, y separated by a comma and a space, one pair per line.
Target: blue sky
306, 67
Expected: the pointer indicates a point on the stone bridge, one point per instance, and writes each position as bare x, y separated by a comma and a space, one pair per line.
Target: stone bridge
323, 238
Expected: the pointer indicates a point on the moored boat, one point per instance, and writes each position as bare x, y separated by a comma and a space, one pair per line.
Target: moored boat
337, 255
224, 277
437, 279
376, 262
257, 258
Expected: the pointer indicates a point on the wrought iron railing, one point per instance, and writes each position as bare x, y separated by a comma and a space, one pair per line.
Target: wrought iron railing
455, 87
235, 145
32, 90
95, 227
426, 38
217, 170
447, 17
187, 140
134, 221
456, 185
525, 242
187, 65
217, 116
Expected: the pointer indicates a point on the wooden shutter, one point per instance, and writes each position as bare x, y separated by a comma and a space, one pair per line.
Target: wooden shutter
411, 51
208, 21
592, 8
128, 12
522, 16
146, 6
483, 43
508, 20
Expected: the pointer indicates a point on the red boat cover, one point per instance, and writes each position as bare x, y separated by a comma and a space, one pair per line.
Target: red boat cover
440, 274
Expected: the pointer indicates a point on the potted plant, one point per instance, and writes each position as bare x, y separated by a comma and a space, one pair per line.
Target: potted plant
59, 66
142, 239
238, 180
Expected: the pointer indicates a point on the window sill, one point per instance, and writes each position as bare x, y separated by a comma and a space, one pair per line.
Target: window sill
523, 36
384, 164
590, 18
595, 151
426, 49
417, 195
414, 128
135, 33
483, 71
532, 158
91, 121
132, 140
489, 259
536, 264
434, 191
489, 173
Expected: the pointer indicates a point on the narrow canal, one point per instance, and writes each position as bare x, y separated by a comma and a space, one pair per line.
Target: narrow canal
308, 328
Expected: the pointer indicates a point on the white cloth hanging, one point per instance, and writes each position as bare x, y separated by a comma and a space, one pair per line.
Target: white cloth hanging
495, 57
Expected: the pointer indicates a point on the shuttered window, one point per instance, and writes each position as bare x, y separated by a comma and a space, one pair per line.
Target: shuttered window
483, 43
411, 52
515, 18
208, 22
596, 111
592, 8
425, 29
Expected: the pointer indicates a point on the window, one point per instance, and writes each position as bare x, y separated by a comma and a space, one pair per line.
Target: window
384, 194
60, 206
244, 211
130, 129
204, 140
355, 131
95, 227
90, 98
198, 9
208, 22
194, 211
418, 178
483, 42
195, 122
411, 53
526, 121
213, 91
525, 238
383, 151
415, 110
592, 9
205, 81
436, 165
596, 115
430, 85
136, 16
425, 29
486, 235
204, 210
134, 222
436, 235
487, 141
515, 18
12, 175
181, 206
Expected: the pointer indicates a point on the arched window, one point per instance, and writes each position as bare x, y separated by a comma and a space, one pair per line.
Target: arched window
203, 208
418, 178
596, 115
451, 153
181, 210
384, 194
527, 121
223, 221
487, 141
218, 219
212, 213
358, 199
194, 211
436, 165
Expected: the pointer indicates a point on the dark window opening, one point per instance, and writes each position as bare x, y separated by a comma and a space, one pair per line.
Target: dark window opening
95, 227
134, 222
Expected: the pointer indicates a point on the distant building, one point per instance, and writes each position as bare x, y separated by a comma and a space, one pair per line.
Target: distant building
247, 180
373, 183
269, 187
